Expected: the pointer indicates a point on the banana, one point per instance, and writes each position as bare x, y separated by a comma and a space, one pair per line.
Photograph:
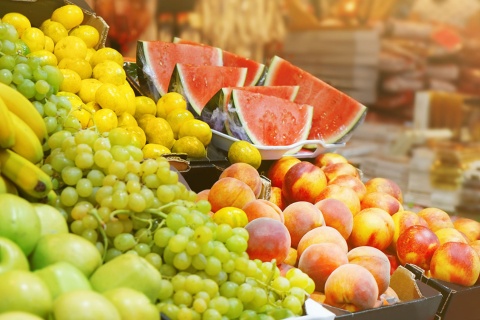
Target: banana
25, 175
24, 109
7, 186
7, 135
26, 143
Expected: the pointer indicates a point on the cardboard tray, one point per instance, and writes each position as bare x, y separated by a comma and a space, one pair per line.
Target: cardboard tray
418, 301
458, 302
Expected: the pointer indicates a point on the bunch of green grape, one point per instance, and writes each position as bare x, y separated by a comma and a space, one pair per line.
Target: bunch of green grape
125, 204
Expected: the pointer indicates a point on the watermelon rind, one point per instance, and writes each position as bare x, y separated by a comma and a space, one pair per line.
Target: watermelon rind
156, 61
336, 115
256, 73
271, 120
198, 84
215, 111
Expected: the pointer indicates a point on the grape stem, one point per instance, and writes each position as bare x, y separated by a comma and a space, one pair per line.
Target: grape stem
101, 229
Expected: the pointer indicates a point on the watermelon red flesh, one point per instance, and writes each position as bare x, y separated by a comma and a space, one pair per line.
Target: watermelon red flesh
267, 120
157, 59
198, 84
335, 114
256, 70
215, 112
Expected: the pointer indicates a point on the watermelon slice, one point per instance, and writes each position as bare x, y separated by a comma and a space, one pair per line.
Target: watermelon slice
215, 111
156, 61
198, 84
256, 71
335, 114
267, 120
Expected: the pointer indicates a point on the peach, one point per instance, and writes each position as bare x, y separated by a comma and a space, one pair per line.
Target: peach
261, 232
230, 192
344, 194
277, 198
469, 227
372, 227
262, 208
374, 261
352, 182
318, 296
394, 263
301, 217
325, 159
384, 185
336, 215
202, 195
351, 287
455, 262
436, 218
337, 169
404, 219
319, 260
246, 173
292, 257
416, 245
381, 200
279, 168
321, 235
303, 182
450, 235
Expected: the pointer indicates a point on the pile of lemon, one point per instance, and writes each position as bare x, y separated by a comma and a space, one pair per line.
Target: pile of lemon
95, 83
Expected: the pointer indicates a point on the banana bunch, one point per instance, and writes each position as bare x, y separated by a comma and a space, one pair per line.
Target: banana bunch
22, 133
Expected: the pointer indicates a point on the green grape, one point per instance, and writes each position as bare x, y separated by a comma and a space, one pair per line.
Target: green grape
72, 124
154, 259
236, 244
77, 227
211, 314
50, 109
228, 289
71, 175
83, 147
59, 162
23, 69
199, 261
235, 308
224, 231
148, 195
103, 158
220, 304
136, 202
84, 187
120, 199
179, 282
214, 266
237, 277
69, 196
27, 88
166, 290
178, 243
119, 153
96, 177
8, 47
42, 86
135, 153
182, 261
56, 139
87, 137
41, 75
200, 305
54, 76
228, 266
113, 228
292, 304
203, 206
221, 252
84, 160
149, 166
88, 220
90, 234
144, 235
162, 236
203, 235
7, 62
118, 169
142, 249
112, 253
6, 76
81, 210
101, 143
151, 181
119, 137
11, 33
124, 241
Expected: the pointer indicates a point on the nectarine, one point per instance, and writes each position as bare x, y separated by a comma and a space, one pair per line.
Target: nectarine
230, 192
381, 200
344, 194
372, 227
262, 208
416, 245
325, 159
279, 168
436, 218
350, 181
301, 217
303, 182
246, 173
321, 235
336, 215
384, 185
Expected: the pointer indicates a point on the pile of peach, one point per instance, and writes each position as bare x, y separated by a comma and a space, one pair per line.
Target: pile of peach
346, 234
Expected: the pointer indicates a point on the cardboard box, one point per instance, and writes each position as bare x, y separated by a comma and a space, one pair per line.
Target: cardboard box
458, 302
418, 301
38, 11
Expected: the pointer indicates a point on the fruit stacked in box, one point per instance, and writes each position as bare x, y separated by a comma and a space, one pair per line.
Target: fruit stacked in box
92, 213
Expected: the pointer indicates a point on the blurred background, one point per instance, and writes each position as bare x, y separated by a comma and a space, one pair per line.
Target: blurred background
414, 63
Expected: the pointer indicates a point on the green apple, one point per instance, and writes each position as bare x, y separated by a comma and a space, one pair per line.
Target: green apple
51, 220
12, 256
19, 222
67, 247
62, 277
19, 315
22, 290
128, 270
84, 305
132, 304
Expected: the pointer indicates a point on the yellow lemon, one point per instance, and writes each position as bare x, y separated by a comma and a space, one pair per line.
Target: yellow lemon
170, 101
49, 44
88, 88
105, 120
144, 105
105, 54
196, 128
90, 52
193, 147
54, 30
153, 151
177, 117
46, 57
80, 66
82, 115
18, 20
109, 72
70, 47
68, 15
89, 34
143, 120
108, 96
34, 38
130, 96
71, 81
157, 130
75, 100
138, 137
127, 120
235, 217
244, 151
92, 107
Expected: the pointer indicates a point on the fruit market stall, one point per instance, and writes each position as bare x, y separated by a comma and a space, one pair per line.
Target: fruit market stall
194, 183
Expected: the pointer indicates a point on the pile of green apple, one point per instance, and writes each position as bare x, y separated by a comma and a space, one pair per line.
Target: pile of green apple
45, 271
